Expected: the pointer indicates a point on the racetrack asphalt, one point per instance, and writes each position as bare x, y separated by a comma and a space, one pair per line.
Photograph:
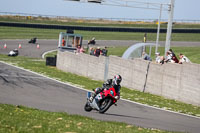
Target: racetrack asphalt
31, 50
21, 87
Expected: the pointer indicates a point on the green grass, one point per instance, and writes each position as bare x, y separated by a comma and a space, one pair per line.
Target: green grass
87, 83
27, 33
51, 54
15, 119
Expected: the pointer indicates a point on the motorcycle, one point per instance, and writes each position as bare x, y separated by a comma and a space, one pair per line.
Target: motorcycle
102, 101
14, 52
33, 40
93, 42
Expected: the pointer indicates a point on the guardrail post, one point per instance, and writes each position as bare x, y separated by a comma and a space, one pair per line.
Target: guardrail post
106, 68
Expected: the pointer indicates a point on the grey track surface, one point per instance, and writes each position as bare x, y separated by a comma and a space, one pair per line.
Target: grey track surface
24, 88
20, 87
46, 45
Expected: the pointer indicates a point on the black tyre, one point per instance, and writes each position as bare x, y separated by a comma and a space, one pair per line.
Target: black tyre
105, 105
87, 107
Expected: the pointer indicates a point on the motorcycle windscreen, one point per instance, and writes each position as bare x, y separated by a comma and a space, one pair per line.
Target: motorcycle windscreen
89, 94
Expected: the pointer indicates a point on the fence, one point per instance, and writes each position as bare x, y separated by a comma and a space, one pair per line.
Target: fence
101, 28
174, 81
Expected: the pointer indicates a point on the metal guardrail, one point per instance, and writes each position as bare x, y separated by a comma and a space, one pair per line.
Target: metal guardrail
105, 29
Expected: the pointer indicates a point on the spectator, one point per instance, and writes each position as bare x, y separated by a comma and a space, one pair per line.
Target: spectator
183, 58
169, 57
145, 56
63, 42
174, 58
91, 51
158, 58
82, 50
78, 50
104, 51
171, 52
162, 60
97, 52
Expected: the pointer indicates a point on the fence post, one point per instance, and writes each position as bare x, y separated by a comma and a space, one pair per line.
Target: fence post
147, 72
106, 68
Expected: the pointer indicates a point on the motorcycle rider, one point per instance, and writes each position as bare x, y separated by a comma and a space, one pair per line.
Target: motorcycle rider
115, 83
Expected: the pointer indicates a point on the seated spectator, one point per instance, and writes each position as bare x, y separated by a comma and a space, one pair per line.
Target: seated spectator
169, 57
82, 50
174, 58
78, 50
171, 52
97, 52
158, 58
104, 51
183, 58
91, 51
145, 56
162, 60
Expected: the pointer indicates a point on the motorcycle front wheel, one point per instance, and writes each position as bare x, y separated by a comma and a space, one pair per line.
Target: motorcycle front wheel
87, 107
105, 105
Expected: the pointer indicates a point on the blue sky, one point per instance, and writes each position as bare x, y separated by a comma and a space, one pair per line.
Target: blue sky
184, 9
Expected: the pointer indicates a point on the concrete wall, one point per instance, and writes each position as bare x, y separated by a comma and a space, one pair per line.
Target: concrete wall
174, 81
133, 72
81, 64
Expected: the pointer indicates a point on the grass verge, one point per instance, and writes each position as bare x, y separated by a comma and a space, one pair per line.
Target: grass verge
27, 33
134, 95
21, 119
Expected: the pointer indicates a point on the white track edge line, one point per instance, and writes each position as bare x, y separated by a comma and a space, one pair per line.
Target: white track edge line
91, 91
48, 52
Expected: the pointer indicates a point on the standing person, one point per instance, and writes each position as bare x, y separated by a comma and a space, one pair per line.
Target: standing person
145, 37
63, 41
104, 51
183, 58
97, 52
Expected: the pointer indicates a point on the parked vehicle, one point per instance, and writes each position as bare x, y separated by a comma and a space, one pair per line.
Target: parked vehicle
102, 101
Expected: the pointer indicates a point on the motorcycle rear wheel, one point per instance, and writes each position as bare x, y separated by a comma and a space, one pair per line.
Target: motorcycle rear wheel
87, 107
105, 105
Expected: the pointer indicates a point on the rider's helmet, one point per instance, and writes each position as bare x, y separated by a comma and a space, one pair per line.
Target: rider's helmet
117, 80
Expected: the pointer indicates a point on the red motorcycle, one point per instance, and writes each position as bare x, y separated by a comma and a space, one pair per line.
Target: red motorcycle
102, 101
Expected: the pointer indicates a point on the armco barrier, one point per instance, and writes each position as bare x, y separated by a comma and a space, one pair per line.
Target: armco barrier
107, 29
174, 81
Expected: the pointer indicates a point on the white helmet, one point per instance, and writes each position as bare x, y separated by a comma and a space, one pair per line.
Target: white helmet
117, 80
